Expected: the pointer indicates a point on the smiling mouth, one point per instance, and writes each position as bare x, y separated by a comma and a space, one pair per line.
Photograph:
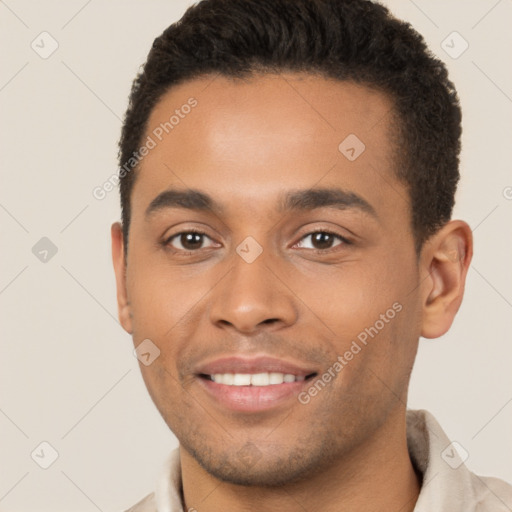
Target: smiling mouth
256, 379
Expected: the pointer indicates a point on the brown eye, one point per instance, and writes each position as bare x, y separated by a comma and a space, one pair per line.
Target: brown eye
188, 241
321, 240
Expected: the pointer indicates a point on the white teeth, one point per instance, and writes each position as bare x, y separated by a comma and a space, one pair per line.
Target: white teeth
241, 379
228, 378
276, 378
254, 379
260, 379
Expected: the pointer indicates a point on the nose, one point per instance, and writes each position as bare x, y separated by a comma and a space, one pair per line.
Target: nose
252, 296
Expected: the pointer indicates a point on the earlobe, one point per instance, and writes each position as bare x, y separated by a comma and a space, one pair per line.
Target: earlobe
119, 261
445, 262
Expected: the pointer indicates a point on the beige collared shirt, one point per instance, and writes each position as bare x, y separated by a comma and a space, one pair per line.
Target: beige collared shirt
448, 486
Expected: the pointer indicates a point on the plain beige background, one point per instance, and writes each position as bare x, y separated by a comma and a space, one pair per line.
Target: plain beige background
68, 375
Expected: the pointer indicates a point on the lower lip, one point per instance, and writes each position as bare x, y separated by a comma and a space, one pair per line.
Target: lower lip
252, 398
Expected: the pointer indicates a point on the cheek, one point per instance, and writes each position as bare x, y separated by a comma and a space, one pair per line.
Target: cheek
162, 300
369, 312
388, 344
350, 296
166, 392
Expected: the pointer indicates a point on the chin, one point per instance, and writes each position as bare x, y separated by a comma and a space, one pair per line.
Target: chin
249, 467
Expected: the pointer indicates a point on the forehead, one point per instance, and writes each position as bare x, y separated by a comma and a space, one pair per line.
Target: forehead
254, 137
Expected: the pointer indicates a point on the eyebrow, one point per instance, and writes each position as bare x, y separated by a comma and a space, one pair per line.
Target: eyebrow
190, 199
326, 198
296, 200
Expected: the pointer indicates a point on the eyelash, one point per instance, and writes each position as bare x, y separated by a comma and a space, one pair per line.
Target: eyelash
344, 241
167, 241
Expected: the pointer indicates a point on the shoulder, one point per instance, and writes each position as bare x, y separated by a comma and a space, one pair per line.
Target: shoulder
148, 504
167, 495
491, 494
448, 484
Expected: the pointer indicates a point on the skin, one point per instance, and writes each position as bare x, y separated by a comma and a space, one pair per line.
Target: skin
245, 144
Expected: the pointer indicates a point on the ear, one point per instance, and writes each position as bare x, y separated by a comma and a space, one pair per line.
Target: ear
119, 260
444, 263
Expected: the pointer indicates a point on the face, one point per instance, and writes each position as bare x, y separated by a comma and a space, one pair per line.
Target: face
272, 264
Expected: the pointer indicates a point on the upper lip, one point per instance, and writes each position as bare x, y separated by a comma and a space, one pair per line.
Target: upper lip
260, 364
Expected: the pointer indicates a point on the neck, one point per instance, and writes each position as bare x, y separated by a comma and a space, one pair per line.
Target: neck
375, 476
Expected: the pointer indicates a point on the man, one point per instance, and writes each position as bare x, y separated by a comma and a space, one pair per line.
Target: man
288, 171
